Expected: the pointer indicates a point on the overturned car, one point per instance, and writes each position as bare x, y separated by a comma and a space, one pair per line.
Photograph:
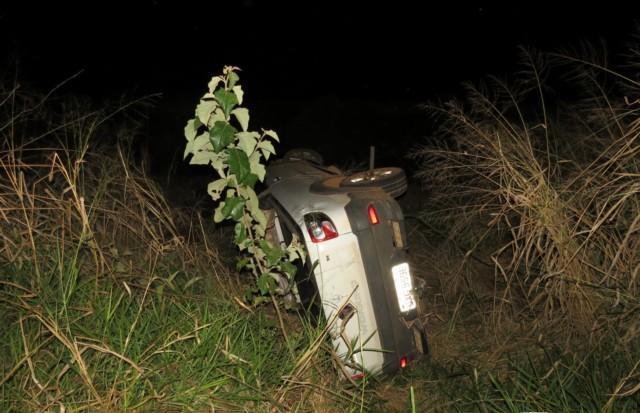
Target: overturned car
357, 270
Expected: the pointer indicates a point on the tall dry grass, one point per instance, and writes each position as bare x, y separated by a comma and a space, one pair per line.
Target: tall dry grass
534, 223
553, 187
67, 179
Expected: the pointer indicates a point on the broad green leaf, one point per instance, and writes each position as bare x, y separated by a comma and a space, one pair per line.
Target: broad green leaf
239, 93
239, 165
256, 251
188, 148
241, 264
266, 283
217, 115
289, 269
213, 83
242, 115
247, 141
200, 141
265, 246
216, 187
198, 144
201, 158
233, 79
271, 134
191, 129
273, 254
217, 161
233, 182
251, 180
231, 192
218, 216
257, 167
204, 109
261, 223
222, 134
295, 250
240, 233
233, 208
227, 100
267, 149
244, 244
252, 199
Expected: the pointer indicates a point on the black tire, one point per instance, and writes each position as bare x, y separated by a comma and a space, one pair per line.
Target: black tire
392, 180
304, 154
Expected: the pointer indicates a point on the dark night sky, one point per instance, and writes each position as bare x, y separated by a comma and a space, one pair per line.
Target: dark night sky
325, 56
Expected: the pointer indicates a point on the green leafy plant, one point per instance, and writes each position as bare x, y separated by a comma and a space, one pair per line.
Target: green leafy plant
219, 136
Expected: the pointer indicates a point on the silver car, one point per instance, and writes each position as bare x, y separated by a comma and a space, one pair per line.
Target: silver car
357, 269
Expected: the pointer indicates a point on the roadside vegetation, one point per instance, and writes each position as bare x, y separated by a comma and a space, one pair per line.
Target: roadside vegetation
533, 221
111, 299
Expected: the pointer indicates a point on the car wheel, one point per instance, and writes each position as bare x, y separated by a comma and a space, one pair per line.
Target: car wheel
391, 180
303, 154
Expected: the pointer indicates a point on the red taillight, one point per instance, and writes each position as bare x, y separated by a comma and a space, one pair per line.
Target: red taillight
357, 376
320, 227
373, 215
403, 362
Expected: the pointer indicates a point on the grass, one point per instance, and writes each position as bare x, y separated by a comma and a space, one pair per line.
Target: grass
112, 300
541, 380
562, 224
77, 344
546, 192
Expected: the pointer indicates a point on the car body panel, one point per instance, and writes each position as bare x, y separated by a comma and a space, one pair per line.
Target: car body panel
339, 277
353, 271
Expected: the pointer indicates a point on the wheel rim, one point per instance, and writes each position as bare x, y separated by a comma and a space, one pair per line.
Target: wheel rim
369, 176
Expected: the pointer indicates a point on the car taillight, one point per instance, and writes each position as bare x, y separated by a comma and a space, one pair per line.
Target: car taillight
320, 227
357, 376
373, 215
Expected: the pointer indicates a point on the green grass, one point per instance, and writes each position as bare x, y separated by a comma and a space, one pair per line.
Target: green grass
155, 347
67, 342
558, 383
111, 300
588, 379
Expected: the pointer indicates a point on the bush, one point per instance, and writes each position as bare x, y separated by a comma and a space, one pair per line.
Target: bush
558, 194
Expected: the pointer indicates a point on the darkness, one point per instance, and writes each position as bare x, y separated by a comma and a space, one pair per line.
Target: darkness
326, 75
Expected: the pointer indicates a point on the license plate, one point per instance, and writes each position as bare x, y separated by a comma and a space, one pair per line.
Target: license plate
404, 287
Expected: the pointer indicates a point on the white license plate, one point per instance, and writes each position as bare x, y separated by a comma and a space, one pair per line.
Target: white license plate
404, 288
